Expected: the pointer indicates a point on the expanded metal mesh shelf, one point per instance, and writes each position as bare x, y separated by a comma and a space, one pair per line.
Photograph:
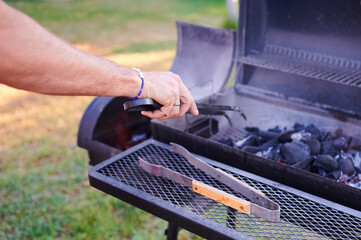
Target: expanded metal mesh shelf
303, 216
319, 66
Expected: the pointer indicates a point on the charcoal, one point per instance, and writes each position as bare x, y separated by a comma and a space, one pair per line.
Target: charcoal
305, 164
251, 149
339, 144
314, 145
327, 148
227, 141
251, 140
268, 135
277, 129
325, 162
356, 181
335, 175
338, 132
346, 166
357, 162
348, 140
297, 136
322, 172
301, 135
327, 136
276, 153
344, 178
285, 136
275, 156
294, 152
137, 138
266, 153
355, 144
281, 161
316, 133
252, 130
139, 134
269, 144
307, 148
298, 127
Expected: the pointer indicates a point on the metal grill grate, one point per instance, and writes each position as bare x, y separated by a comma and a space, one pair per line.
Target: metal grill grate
301, 218
318, 66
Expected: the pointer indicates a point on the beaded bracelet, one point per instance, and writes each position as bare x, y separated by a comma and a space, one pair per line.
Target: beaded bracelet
141, 89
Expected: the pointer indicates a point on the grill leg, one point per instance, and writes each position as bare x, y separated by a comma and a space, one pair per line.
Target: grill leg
172, 231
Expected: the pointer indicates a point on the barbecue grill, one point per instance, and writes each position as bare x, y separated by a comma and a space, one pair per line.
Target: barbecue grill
290, 61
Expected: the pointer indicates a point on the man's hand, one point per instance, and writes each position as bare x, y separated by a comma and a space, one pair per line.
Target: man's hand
167, 89
38, 61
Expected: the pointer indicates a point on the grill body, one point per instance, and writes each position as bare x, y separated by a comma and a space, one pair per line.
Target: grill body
294, 62
290, 61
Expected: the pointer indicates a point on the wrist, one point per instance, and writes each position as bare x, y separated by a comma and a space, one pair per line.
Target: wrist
147, 84
141, 76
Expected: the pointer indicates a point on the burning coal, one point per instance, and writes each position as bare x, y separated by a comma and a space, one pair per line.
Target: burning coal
332, 155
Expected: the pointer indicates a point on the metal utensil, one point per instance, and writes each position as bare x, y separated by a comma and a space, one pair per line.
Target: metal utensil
262, 206
197, 186
148, 104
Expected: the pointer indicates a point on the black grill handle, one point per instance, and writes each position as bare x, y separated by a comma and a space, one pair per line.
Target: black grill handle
141, 104
148, 104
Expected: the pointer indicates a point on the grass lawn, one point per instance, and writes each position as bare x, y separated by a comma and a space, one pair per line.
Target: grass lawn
44, 192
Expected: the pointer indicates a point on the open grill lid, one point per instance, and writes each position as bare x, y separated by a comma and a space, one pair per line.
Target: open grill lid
204, 58
304, 51
308, 50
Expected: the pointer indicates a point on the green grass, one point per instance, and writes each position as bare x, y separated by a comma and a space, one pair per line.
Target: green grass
230, 24
117, 24
45, 205
147, 46
44, 193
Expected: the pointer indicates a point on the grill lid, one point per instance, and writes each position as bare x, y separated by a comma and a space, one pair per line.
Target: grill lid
308, 50
204, 58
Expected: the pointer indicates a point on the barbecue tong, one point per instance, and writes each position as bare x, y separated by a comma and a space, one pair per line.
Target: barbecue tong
148, 104
262, 206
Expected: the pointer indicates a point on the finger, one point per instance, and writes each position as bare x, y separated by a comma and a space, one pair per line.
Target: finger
149, 114
175, 109
166, 117
163, 118
169, 102
173, 114
166, 110
189, 101
193, 109
153, 114
184, 106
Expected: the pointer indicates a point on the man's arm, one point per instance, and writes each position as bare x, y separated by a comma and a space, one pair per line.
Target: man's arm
33, 59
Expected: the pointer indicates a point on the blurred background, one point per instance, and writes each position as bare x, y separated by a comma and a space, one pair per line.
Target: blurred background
44, 191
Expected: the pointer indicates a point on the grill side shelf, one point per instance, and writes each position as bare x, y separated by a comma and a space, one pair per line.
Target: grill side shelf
301, 218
